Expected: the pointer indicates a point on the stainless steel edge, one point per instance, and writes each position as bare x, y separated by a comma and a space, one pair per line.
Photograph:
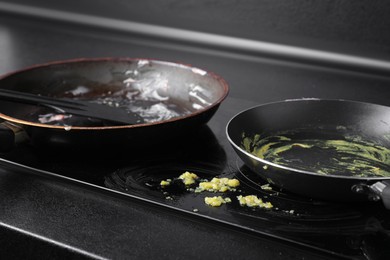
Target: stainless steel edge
214, 40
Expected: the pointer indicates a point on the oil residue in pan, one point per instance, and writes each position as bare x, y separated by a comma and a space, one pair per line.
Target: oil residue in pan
345, 156
150, 111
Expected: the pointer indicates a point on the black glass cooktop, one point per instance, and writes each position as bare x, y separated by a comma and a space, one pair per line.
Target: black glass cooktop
356, 230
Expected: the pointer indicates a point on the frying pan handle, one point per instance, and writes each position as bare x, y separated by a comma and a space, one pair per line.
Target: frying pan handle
10, 134
382, 189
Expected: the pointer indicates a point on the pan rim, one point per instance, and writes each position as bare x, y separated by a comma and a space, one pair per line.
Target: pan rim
222, 82
269, 163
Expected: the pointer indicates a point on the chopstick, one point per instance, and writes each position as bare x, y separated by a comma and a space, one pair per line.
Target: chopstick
74, 107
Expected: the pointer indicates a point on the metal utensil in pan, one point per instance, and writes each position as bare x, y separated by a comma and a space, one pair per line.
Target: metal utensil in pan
326, 149
171, 98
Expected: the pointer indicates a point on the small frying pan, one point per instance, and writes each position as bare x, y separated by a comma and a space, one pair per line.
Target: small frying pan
326, 149
171, 98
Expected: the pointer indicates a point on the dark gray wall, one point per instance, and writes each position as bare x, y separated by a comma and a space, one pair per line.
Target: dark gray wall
355, 27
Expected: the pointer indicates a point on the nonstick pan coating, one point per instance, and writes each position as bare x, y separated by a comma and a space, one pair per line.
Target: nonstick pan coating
313, 119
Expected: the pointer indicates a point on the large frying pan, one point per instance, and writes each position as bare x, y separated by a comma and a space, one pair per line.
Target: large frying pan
172, 98
326, 149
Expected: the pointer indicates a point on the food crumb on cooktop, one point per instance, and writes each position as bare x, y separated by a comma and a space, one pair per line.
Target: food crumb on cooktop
218, 185
216, 201
253, 201
166, 182
188, 178
266, 187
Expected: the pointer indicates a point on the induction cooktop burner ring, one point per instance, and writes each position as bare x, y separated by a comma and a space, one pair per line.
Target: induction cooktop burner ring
144, 180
